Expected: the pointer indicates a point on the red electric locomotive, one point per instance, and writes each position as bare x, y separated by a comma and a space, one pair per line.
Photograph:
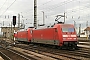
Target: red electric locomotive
24, 35
59, 35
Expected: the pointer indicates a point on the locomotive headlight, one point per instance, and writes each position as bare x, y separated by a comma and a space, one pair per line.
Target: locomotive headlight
73, 35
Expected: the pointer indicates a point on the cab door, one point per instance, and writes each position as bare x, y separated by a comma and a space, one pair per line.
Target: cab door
56, 39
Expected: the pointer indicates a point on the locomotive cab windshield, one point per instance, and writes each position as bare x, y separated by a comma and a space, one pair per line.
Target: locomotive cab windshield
68, 29
69, 35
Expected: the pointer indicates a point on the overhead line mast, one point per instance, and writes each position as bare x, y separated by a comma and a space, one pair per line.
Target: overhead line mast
35, 13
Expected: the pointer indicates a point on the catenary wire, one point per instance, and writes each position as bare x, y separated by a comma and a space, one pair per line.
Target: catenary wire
3, 5
7, 8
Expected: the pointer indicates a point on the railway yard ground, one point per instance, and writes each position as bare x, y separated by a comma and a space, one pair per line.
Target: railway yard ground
21, 51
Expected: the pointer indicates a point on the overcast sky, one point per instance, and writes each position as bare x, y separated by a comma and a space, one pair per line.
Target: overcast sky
75, 10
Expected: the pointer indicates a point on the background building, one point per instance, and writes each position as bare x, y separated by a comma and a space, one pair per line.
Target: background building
87, 31
8, 31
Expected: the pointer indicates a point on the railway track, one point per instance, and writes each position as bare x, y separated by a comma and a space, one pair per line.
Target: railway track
38, 52
60, 54
9, 54
84, 43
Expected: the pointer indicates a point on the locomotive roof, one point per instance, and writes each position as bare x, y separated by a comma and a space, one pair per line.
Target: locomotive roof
64, 25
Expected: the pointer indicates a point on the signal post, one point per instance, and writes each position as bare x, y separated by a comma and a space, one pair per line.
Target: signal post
14, 23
